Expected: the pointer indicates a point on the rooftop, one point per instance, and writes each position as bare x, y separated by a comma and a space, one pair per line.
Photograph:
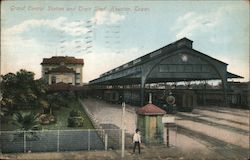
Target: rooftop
150, 109
57, 60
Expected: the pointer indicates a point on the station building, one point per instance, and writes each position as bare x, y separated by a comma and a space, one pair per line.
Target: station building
62, 69
175, 63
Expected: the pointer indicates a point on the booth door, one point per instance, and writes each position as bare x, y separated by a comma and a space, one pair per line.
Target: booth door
152, 128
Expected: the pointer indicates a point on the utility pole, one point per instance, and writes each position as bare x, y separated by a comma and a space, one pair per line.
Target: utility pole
123, 128
1, 94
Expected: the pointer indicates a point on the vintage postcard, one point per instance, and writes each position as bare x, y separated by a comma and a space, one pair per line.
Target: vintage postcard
125, 79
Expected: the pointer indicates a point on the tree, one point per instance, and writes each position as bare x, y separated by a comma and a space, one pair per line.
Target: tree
26, 121
57, 100
8, 84
22, 91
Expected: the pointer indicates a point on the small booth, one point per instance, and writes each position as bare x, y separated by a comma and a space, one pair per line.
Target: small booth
149, 122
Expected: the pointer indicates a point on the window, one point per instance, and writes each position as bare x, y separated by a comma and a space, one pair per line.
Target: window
197, 68
46, 69
205, 68
163, 68
78, 76
172, 68
188, 68
53, 79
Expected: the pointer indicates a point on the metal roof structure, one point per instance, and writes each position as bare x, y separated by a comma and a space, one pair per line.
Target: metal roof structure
180, 68
175, 62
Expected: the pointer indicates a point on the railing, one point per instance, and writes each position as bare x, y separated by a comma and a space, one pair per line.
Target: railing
60, 140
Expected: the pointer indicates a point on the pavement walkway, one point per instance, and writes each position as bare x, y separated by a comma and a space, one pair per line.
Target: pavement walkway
107, 113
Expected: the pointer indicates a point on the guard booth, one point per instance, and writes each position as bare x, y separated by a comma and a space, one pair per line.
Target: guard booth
149, 121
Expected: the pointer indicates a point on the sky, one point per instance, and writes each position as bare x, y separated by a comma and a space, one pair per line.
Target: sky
107, 34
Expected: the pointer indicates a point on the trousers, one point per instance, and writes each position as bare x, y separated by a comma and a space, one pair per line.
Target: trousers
139, 148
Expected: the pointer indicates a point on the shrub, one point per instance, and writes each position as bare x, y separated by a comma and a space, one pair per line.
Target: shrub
55, 106
75, 119
46, 119
75, 113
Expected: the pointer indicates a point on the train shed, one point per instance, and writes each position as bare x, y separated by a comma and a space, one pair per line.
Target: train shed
175, 62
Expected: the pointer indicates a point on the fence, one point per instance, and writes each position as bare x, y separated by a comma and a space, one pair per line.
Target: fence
60, 140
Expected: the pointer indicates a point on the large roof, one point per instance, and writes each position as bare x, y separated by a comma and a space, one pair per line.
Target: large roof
156, 53
57, 60
130, 73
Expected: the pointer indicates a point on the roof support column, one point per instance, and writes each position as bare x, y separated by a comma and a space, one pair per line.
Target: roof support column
204, 93
224, 82
223, 75
143, 81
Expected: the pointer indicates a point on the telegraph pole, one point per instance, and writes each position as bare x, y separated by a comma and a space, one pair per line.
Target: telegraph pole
123, 128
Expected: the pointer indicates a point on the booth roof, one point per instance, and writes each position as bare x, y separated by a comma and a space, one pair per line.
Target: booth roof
150, 109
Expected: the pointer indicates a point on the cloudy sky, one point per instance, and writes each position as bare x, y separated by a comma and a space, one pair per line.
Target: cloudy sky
107, 34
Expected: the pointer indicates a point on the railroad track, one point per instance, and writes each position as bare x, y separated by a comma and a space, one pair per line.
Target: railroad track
220, 110
223, 126
227, 150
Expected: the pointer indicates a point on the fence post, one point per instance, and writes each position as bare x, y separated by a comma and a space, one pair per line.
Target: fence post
167, 134
24, 142
175, 135
106, 141
88, 139
58, 141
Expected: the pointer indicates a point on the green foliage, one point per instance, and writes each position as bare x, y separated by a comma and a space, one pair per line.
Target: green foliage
75, 119
20, 90
44, 104
71, 96
2, 112
75, 113
25, 121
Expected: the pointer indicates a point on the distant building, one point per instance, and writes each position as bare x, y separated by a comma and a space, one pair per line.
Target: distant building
62, 69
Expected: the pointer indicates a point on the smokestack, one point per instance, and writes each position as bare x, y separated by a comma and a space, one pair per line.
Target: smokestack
150, 98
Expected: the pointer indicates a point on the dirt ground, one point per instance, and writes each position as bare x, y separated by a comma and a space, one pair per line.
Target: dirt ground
147, 153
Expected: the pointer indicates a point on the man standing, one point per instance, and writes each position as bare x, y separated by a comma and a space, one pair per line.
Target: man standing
137, 140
